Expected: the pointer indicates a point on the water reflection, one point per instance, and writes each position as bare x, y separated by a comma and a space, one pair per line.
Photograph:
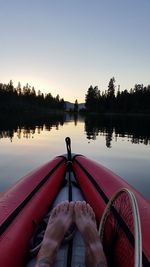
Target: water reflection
35, 140
26, 127
135, 128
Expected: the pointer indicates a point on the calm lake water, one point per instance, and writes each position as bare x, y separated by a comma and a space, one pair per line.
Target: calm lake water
121, 143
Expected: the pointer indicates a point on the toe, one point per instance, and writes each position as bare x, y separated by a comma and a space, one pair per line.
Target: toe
91, 212
53, 213
89, 209
71, 207
77, 204
57, 208
66, 206
63, 206
84, 207
78, 208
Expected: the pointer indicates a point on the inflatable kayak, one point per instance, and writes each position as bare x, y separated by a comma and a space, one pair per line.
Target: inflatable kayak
71, 177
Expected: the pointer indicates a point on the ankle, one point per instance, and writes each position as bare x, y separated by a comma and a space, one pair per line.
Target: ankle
44, 262
96, 254
47, 253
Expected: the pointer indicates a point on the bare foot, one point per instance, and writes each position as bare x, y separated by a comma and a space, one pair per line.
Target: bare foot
86, 224
59, 222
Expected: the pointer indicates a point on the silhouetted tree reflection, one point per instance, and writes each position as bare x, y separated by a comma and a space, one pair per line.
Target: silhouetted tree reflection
28, 131
135, 128
75, 119
7, 134
109, 139
27, 127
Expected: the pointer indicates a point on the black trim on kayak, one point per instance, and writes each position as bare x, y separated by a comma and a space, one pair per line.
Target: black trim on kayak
99, 190
125, 228
70, 244
69, 188
68, 173
13, 215
69, 253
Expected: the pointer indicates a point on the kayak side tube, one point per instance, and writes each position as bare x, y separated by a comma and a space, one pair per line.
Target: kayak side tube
98, 185
23, 206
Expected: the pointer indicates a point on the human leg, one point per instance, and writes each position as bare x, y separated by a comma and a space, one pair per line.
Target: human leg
86, 224
59, 222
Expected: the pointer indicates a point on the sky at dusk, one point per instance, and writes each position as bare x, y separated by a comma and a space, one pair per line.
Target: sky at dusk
64, 46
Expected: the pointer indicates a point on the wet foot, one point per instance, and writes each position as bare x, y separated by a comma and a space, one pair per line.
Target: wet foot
59, 222
85, 221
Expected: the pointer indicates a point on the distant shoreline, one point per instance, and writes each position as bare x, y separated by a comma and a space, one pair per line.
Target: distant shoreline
42, 113
116, 114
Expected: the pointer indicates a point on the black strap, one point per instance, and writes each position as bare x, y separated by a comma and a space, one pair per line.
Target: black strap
68, 145
69, 172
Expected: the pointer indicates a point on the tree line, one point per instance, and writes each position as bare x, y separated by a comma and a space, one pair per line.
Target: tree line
25, 99
137, 100
17, 99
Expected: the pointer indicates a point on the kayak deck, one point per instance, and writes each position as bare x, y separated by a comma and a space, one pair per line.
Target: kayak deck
77, 179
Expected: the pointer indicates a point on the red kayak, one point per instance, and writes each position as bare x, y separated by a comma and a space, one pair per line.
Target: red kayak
69, 177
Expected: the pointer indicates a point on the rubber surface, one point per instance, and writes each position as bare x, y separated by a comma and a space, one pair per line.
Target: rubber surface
14, 238
98, 184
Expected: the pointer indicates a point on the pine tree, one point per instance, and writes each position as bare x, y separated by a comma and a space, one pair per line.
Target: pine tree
76, 106
111, 87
